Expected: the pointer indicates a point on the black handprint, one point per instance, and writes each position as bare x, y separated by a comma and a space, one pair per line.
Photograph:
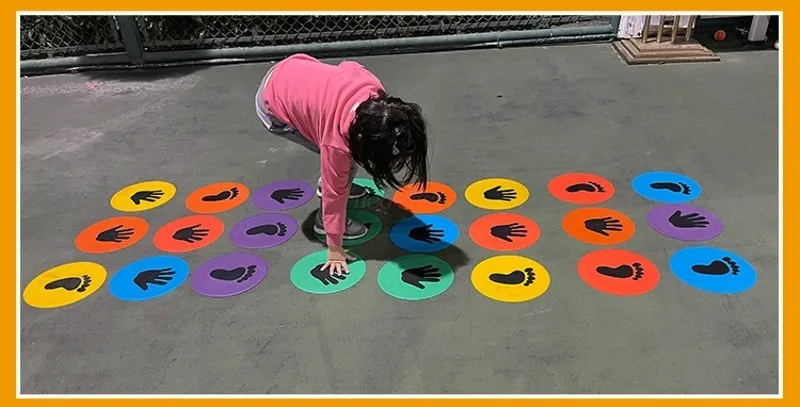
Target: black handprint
634, 270
506, 232
282, 195
603, 225
417, 275
157, 277
497, 194
426, 234
326, 277
147, 196
115, 234
589, 186
692, 220
239, 274
78, 284
433, 197
717, 267
226, 194
269, 230
672, 186
190, 234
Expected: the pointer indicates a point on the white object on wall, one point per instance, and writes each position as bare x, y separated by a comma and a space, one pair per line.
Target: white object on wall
631, 26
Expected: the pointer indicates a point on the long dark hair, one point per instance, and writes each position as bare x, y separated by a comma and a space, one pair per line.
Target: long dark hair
388, 136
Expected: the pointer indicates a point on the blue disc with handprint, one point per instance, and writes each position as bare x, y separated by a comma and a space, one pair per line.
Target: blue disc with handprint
307, 274
424, 233
149, 278
713, 270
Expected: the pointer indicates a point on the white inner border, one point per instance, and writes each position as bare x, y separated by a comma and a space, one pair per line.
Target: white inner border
415, 396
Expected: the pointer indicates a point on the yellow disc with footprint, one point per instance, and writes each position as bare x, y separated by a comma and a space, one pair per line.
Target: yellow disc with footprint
510, 278
496, 194
143, 196
64, 285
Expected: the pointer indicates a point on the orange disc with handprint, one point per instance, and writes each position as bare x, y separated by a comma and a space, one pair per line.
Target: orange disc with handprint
110, 235
618, 272
436, 197
188, 233
218, 197
598, 226
504, 232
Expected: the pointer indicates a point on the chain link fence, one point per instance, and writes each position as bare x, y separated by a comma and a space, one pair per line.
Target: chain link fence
162, 33
87, 41
62, 36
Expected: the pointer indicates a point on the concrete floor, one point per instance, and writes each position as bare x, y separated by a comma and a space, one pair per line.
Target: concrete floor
563, 109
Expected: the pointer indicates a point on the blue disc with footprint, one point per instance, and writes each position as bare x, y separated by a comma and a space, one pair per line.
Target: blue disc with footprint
149, 278
713, 270
667, 187
424, 233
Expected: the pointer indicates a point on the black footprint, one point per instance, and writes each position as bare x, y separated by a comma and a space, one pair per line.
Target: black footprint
70, 283
515, 277
269, 230
227, 194
717, 267
239, 274
635, 270
433, 197
672, 186
590, 186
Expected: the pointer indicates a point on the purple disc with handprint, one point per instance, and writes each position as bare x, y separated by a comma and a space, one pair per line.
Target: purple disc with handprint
283, 195
263, 230
684, 222
229, 274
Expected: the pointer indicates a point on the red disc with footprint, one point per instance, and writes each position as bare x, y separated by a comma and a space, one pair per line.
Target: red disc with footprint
581, 188
219, 197
436, 197
618, 272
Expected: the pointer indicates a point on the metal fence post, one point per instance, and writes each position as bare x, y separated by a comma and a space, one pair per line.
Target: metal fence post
131, 38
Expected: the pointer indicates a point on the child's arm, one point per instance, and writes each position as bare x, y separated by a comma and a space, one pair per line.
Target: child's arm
335, 171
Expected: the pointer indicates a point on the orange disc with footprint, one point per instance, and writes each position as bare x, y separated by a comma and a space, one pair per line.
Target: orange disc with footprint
618, 272
110, 235
435, 198
188, 233
599, 226
581, 188
219, 197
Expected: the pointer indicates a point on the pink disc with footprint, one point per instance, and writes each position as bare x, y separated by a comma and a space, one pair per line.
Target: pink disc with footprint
263, 230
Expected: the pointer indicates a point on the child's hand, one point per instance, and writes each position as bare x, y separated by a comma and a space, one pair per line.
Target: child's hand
337, 261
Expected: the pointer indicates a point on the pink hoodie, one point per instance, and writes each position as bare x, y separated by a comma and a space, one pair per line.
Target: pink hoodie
320, 101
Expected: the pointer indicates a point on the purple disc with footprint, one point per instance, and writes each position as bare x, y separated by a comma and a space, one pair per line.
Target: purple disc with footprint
229, 275
684, 222
283, 195
263, 230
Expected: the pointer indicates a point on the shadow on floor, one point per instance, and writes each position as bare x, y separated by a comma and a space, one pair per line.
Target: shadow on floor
381, 248
142, 74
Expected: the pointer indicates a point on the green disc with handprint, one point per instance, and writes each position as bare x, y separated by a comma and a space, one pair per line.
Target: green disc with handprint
368, 219
371, 199
415, 277
307, 274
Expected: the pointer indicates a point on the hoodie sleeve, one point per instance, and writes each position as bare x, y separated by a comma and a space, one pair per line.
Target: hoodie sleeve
335, 171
